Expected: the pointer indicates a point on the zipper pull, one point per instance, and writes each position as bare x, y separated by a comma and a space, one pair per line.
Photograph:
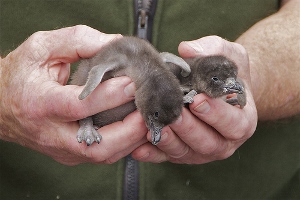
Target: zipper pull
142, 24
144, 14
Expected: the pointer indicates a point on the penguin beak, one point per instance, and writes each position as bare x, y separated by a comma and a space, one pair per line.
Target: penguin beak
155, 134
155, 130
233, 86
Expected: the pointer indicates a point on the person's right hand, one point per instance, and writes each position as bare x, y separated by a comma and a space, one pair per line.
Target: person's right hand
38, 110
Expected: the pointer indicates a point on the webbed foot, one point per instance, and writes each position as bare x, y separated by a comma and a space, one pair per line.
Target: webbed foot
87, 132
188, 98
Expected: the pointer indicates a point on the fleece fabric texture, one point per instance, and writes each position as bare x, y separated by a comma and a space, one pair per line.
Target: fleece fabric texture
265, 167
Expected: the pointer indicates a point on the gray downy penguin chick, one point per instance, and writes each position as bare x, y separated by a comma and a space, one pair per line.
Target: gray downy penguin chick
215, 76
158, 95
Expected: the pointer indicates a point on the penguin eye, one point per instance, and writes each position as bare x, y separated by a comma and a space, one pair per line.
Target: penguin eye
214, 78
156, 114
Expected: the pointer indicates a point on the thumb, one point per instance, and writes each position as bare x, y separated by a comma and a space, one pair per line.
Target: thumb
204, 46
62, 101
57, 49
210, 45
215, 45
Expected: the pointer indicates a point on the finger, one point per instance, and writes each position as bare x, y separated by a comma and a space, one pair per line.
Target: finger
230, 121
60, 73
214, 45
65, 45
198, 135
118, 140
62, 101
189, 145
210, 45
149, 153
171, 144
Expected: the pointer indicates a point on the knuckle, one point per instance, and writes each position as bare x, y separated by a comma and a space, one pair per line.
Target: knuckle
217, 40
180, 153
236, 135
37, 36
244, 130
209, 148
36, 46
234, 127
110, 161
79, 30
89, 155
225, 155
135, 124
245, 127
37, 40
218, 43
159, 158
187, 127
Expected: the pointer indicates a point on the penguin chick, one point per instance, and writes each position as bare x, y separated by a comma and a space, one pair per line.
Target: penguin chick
215, 76
158, 96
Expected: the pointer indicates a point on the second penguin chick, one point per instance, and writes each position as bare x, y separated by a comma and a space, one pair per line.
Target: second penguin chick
158, 96
215, 76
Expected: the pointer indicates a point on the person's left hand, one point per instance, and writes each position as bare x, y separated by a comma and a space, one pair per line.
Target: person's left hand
212, 129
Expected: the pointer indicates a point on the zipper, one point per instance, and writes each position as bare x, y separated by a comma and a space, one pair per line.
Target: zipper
131, 179
144, 11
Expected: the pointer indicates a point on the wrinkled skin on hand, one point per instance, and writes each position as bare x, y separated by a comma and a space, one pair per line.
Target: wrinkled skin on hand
210, 129
38, 110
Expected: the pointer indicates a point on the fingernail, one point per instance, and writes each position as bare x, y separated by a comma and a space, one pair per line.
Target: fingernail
129, 90
194, 45
203, 107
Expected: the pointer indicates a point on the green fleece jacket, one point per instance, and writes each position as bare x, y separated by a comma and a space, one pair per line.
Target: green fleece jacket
267, 166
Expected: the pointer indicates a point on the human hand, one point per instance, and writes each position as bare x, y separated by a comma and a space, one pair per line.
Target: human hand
38, 110
212, 129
